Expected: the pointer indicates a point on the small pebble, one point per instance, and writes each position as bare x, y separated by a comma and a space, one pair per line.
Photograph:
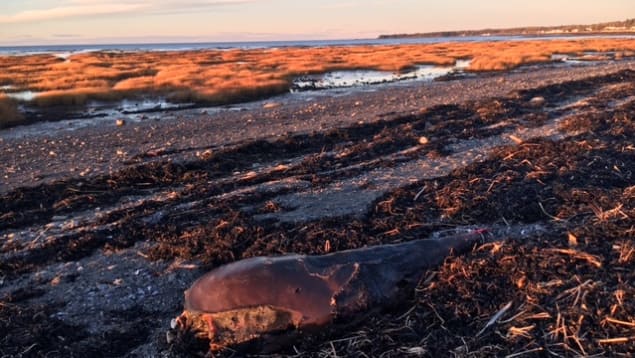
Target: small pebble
207, 154
170, 337
271, 105
537, 101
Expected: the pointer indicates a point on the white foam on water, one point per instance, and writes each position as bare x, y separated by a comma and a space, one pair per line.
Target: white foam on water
363, 78
63, 55
148, 104
23, 95
462, 64
584, 58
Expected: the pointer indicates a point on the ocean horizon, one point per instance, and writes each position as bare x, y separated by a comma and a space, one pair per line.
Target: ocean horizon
228, 45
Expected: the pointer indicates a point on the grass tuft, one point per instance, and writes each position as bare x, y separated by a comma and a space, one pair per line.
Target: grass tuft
9, 113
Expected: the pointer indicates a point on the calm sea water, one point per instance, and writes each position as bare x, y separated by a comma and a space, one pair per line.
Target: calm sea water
232, 45
22, 50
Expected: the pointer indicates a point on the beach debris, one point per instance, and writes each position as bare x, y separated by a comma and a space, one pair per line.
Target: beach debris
573, 240
156, 152
260, 298
120, 122
516, 139
271, 105
205, 155
538, 101
495, 318
424, 140
327, 246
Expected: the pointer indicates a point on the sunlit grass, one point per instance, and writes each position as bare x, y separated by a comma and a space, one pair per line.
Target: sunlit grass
224, 76
76, 96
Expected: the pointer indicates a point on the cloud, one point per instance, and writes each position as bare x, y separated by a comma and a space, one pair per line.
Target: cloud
84, 8
185, 6
72, 9
65, 36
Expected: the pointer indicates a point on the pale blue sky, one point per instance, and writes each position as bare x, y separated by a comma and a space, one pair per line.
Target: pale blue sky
107, 21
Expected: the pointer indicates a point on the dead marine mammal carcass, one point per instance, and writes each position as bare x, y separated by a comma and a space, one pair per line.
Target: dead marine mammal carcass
247, 299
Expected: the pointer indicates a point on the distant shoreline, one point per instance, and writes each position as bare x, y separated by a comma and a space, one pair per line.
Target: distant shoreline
451, 34
395, 39
617, 28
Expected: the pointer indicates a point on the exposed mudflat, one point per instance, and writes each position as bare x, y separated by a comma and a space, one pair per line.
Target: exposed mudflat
102, 228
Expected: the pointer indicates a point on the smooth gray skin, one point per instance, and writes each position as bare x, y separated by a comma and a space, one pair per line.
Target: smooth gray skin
287, 283
319, 287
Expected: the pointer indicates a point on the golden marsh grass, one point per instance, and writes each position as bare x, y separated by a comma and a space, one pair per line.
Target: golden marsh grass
223, 76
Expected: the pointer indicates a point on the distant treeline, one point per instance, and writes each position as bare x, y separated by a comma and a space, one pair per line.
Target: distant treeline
626, 26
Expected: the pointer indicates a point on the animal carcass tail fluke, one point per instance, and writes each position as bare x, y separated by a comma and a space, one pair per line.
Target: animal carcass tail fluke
248, 299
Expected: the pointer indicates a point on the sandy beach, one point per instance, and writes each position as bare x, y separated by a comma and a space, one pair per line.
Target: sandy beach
102, 227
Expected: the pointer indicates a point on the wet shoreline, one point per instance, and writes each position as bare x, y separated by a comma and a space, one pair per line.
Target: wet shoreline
148, 107
187, 131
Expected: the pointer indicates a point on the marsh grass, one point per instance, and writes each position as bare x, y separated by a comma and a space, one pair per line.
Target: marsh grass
75, 97
217, 76
9, 113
